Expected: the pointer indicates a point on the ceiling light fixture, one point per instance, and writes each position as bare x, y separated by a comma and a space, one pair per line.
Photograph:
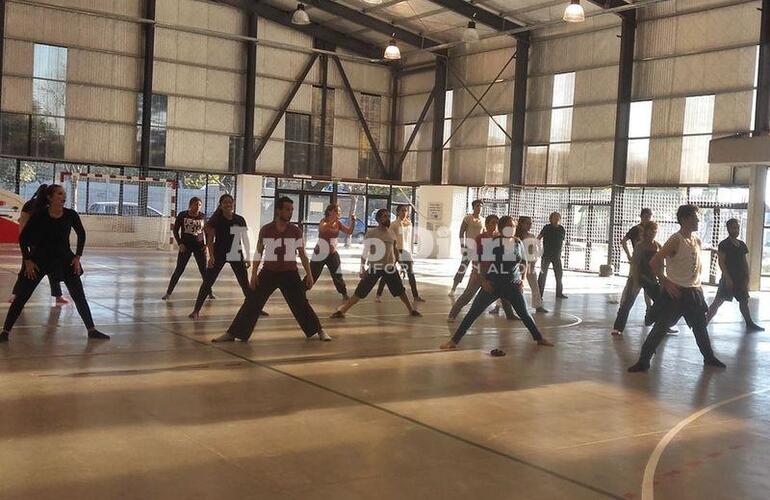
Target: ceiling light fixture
300, 17
574, 12
471, 34
391, 51
373, 2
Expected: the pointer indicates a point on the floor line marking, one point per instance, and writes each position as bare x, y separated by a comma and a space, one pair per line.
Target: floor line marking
648, 480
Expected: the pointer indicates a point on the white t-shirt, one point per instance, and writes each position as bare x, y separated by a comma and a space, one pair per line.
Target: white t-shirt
402, 229
473, 226
684, 267
383, 250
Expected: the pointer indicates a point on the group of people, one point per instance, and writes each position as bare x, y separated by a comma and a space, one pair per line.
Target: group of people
501, 253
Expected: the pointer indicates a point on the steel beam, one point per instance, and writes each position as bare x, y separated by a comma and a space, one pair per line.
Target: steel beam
417, 126
373, 23
439, 103
249, 162
284, 106
149, 59
612, 4
478, 101
394, 80
762, 110
360, 114
2, 44
519, 114
623, 109
478, 14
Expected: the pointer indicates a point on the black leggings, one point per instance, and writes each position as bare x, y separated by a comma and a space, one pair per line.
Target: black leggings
182, 259
26, 286
55, 285
630, 292
511, 293
332, 261
292, 288
545, 262
239, 269
407, 265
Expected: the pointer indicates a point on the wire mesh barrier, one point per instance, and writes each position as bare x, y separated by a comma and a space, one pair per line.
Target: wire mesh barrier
597, 218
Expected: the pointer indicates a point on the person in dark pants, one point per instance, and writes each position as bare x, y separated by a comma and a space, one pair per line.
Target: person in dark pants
634, 236
325, 252
402, 229
682, 294
278, 246
553, 236
221, 230
188, 233
735, 276
37, 202
641, 277
471, 227
502, 265
45, 246
380, 252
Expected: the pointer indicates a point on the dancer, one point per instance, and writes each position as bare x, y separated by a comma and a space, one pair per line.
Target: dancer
735, 276
474, 282
380, 252
283, 242
469, 229
501, 266
37, 202
634, 236
553, 235
682, 294
531, 253
403, 231
641, 277
190, 222
45, 246
220, 236
325, 254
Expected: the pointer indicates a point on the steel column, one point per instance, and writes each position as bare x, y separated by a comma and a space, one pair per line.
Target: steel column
623, 110
284, 106
149, 59
2, 44
519, 115
439, 103
394, 174
249, 161
762, 111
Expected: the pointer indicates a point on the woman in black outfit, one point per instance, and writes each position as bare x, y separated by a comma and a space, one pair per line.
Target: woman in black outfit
45, 246
37, 202
190, 222
220, 238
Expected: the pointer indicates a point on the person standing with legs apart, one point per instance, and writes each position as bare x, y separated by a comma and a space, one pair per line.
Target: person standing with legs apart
682, 294
532, 251
221, 230
402, 229
735, 276
188, 233
37, 202
501, 268
380, 252
45, 246
469, 229
279, 244
634, 236
553, 236
640, 277
325, 254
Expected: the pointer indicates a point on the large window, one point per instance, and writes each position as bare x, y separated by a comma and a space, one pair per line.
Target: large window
325, 165
561, 127
158, 121
698, 126
639, 142
445, 158
496, 141
367, 162
409, 165
49, 101
296, 154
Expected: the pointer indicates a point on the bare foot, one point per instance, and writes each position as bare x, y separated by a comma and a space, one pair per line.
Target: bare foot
195, 315
545, 342
60, 301
449, 344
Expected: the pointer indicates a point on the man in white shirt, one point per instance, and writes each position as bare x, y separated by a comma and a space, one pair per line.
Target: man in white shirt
402, 229
471, 227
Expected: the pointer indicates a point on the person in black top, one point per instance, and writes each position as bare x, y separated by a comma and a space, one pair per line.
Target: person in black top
501, 267
553, 235
45, 246
37, 202
735, 276
220, 230
191, 242
634, 236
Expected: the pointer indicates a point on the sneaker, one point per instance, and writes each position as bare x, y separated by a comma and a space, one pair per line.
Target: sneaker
713, 361
212, 296
225, 337
166, 297
60, 301
542, 310
754, 328
449, 344
337, 315
617, 333
324, 337
97, 335
640, 366
415, 313
4, 337
419, 299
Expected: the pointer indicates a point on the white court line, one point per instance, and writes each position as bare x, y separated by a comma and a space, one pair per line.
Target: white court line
648, 485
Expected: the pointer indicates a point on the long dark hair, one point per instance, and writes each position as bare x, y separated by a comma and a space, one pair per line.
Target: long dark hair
39, 200
520, 226
505, 221
50, 190
330, 208
218, 211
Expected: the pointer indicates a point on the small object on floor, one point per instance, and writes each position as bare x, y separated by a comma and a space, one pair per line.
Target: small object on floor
497, 353
617, 333
337, 315
166, 296
754, 328
639, 367
415, 313
60, 301
713, 361
377, 299
263, 313
419, 299
195, 315
449, 344
225, 337
545, 343
562, 296
97, 335
542, 309
324, 337
212, 296
4, 337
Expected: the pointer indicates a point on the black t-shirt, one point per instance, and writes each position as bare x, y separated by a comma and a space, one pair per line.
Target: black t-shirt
223, 235
553, 238
188, 229
634, 235
46, 240
735, 259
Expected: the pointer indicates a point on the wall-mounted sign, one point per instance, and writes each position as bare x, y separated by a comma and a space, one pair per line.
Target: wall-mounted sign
435, 210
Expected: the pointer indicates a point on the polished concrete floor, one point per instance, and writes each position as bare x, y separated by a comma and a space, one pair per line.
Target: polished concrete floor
380, 412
